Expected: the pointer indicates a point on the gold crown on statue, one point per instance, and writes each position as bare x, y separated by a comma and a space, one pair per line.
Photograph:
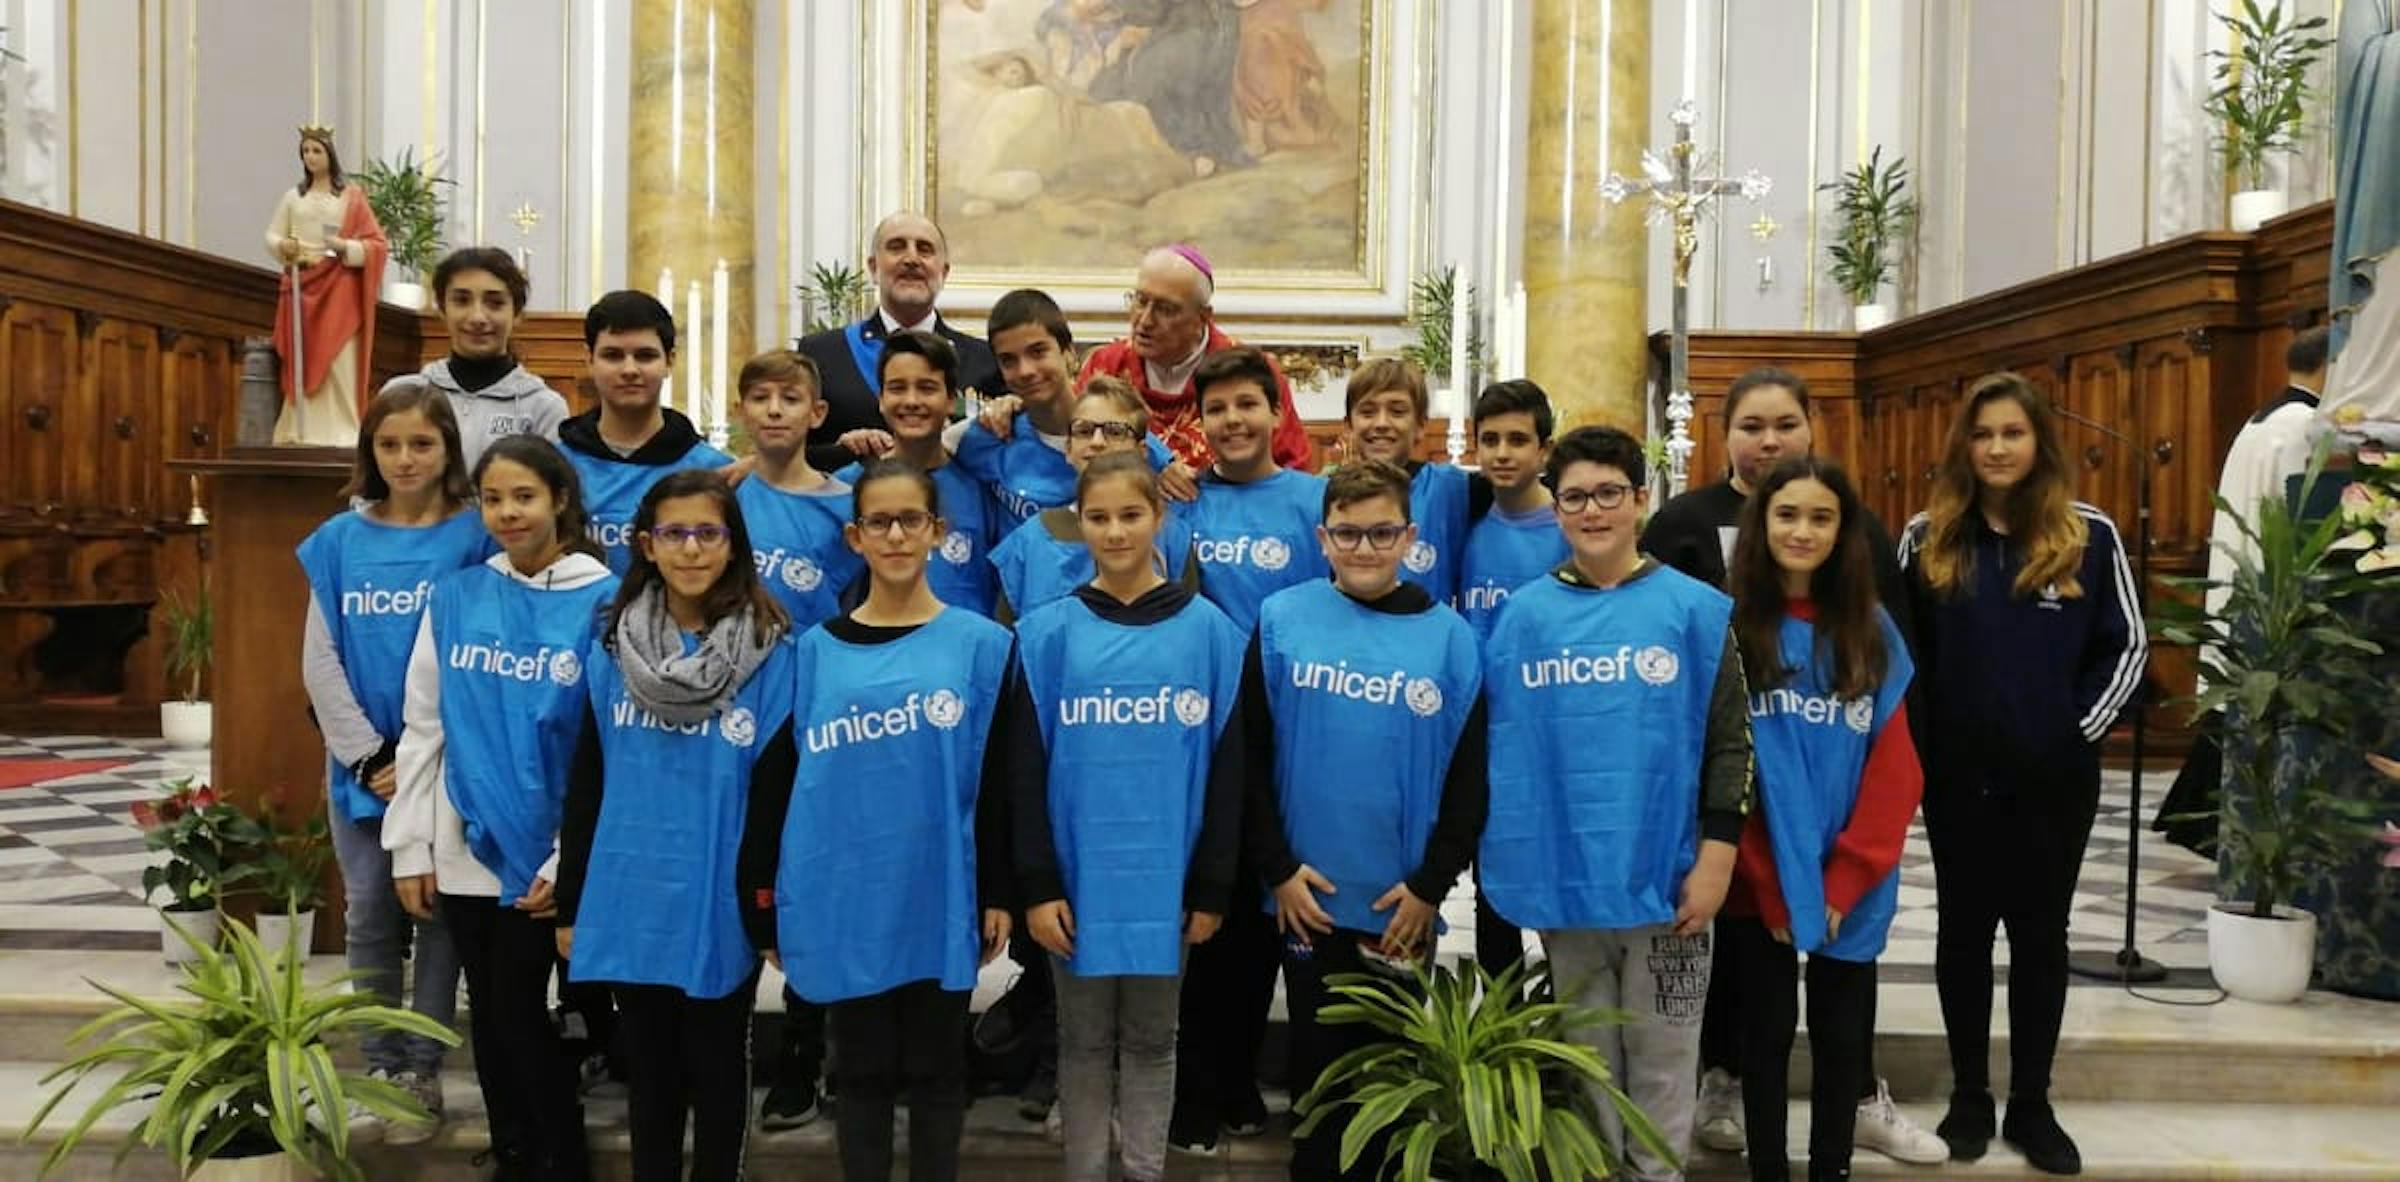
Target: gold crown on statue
316, 131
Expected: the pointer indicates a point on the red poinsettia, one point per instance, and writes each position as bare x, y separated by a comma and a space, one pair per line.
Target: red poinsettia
201, 835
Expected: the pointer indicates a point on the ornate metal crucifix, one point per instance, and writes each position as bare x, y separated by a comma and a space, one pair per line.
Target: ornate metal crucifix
1680, 197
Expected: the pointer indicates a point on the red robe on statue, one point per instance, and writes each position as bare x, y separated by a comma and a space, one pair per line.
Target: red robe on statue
1175, 418
337, 303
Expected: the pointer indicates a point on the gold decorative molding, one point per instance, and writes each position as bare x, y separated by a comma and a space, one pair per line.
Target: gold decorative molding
141, 117
599, 173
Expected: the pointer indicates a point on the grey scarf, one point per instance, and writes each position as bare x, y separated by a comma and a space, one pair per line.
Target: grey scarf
677, 686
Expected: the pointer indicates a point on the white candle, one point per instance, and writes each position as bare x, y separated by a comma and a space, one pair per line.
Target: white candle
1504, 218
1516, 331
693, 352
666, 287
1459, 398
1691, 48
716, 346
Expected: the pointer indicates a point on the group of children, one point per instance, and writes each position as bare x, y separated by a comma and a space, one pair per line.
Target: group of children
625, 705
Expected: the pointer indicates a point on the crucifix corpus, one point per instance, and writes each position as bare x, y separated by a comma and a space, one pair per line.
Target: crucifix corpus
1681, 197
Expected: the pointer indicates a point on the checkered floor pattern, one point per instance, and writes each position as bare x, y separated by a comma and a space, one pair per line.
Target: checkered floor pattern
71, 867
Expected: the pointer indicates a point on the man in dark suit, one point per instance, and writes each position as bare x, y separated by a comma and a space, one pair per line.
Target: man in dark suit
909, 260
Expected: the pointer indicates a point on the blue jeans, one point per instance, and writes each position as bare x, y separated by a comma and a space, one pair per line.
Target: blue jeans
376, 936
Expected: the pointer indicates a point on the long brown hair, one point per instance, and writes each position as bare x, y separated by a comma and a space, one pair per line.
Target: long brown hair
736, 588
1842, 590
400, 396
2043, 526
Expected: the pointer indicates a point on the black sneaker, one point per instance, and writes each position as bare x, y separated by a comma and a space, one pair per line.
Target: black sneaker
1041, 1091
1967, 1127
508, 1165
787, 1106
1192, 1135
1245, 1114
2032, 1128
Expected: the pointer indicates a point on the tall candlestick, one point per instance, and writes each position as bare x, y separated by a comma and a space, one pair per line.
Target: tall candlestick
717, 390
1459, 328
1691, 48
694, 352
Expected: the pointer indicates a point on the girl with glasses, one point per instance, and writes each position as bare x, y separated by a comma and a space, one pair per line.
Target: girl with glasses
1046, 558
689, 718
879, 875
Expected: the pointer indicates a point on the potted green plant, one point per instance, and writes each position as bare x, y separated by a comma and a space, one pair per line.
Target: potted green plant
1874, 217
2284, 660
1431, 300
186, 722
1474, 1077
2259, 103
836, 294
288, 871
202, 836
238, 1083
407, 199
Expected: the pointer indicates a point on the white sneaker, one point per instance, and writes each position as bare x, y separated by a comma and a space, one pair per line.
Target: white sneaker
365, 1126
1885, 1129
426, 1090
1718, 1122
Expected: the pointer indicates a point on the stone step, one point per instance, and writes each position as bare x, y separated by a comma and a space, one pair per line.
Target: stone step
2145, 1140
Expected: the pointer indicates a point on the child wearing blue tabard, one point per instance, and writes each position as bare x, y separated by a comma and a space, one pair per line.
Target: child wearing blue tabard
1620, 775
687, 718
1838, 782
369, 572
622, 446
794, 513
1368, 802
919, 371
1386, 409
1125, 773
495, 704
1045, 558
1254, 532
1019, 445
880, 876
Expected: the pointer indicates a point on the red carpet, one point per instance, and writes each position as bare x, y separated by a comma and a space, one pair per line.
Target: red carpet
17, 773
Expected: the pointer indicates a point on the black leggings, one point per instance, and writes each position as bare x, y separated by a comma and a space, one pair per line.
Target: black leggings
1722, 1027
527, 1080
1228, 986
1841, 1026
1318, 1156
686, 1056
2006, 858
911, 1040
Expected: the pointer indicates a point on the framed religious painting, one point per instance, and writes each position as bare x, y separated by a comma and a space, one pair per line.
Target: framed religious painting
1056, 140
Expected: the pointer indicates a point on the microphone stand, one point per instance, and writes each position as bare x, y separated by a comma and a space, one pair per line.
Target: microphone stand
2126, 964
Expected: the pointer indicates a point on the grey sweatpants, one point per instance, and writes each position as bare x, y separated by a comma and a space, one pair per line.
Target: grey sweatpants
1116, 1057
1661, 979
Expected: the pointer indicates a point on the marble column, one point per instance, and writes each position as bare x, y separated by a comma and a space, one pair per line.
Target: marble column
691, 162
1584, 260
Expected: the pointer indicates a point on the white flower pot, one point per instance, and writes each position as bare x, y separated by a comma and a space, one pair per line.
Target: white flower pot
186, 725
2264, 960
276, 930
408, 295
201, 926
267, 1167
2252, 208
1870, 316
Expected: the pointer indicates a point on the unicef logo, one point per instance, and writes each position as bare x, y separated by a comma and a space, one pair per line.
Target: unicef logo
1655, 665
944, 709
800, 574
739, 726
1271, 554
957, 548
565, 668
1191, 707
1860, 714
1424, 697
1420, 557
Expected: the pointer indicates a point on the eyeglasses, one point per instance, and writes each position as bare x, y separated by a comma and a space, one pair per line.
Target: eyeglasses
676, 537
1603, 496
913, 521
1112, 432
1138, 303
1381, 537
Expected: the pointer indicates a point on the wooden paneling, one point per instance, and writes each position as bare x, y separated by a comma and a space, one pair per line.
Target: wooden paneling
38, 379
548, 344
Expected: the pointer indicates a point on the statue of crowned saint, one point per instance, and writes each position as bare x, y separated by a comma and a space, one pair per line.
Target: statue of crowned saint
332, 253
